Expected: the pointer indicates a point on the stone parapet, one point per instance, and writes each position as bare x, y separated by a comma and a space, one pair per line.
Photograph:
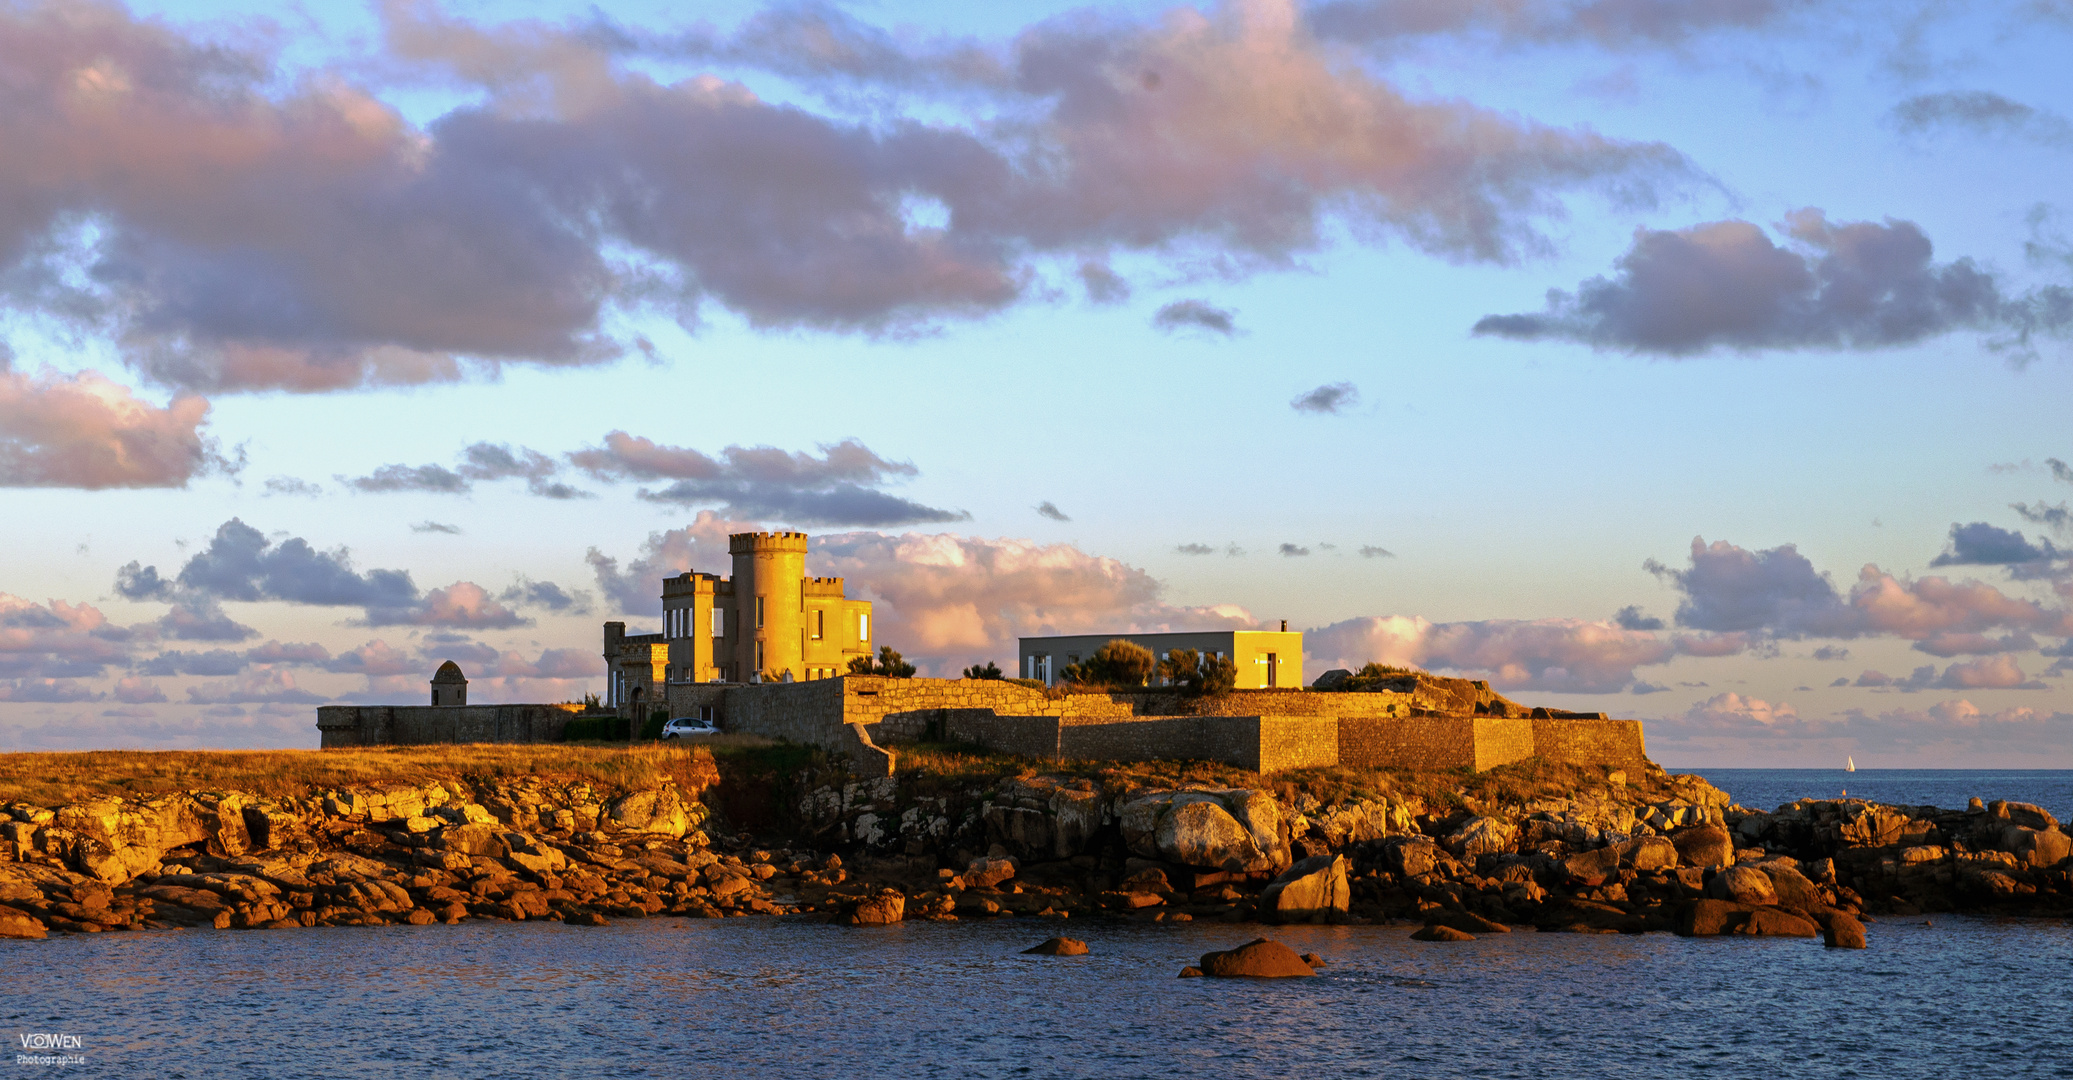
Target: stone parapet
416, 725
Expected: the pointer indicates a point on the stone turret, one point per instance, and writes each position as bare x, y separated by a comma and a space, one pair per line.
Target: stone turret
768, 569
449, 686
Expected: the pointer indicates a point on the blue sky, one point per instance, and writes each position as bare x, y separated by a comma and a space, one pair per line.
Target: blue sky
948, 264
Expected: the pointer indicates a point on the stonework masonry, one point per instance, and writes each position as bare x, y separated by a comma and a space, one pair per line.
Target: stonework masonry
415, 725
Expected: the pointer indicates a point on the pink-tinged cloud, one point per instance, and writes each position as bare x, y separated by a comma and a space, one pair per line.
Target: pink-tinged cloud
133, 690
1729, 589
377, 657
57, 640
85, 431
1562, 655
462, 605
1732, 710
47, 690
1988, 673
255, 230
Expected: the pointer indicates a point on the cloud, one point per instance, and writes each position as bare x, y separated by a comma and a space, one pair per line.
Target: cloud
435, 527
1778, 592
200, 618
375, 658
1561, 655
227, 662
1196, 315
1985, 673
1981, 544
289, 485
1193, 549
1608, 23
84, 431
57, 640
462, 604
259, 226
1327, 399
1293, 551
1103, 285
1982, 112
548, 595
1735, 710
263, 685
1724, 284
135, 691
49, 691
1631, 618
637, 590
1050, 510
840, 487
1831, 652
436, 479
1370, 551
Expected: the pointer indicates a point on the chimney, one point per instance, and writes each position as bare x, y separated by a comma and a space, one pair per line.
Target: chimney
1284, 626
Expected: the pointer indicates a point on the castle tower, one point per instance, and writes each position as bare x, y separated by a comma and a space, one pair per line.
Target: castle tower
449, 686
769, 570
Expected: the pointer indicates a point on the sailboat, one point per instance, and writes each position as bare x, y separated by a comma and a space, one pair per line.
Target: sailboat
1849, 764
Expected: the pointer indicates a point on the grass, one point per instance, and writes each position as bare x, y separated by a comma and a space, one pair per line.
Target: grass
54, 779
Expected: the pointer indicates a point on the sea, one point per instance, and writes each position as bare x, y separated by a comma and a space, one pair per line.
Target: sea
1932, 997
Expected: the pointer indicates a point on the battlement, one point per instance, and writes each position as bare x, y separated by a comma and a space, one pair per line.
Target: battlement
821, 586
746, 543
690, 583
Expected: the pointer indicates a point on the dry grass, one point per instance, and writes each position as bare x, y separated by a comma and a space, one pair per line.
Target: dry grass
55, 779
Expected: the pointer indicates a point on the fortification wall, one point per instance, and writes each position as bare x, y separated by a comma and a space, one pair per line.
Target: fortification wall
418, 725
1030, 736
1618, 743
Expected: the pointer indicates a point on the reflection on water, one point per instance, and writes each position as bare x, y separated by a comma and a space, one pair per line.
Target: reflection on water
752, 997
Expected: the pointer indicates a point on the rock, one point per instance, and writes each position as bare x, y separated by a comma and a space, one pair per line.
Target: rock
1841, 930
1315, 886
15, 924
2027, 815
1201, 832
1792, 887
986, 873
1332, 680
1313, 959
1439, 932
1412, 857
1742, 885
1589, 917
2036, 848
1704, 845
1776, 922
1592, 868
1468, 922
1257, 959
420, 917
1711, 918
1646, 853
884, 909
1190, 972
1481, 836
1058, 946
586, 918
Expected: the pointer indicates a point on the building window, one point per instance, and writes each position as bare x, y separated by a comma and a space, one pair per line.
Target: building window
759, 614
719, 622
759, 656
863, 626
818, 625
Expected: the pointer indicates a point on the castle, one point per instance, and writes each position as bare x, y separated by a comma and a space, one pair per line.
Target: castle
766, 652
769, 622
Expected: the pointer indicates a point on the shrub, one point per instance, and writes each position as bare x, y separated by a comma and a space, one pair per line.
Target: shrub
990, 671
597, 729
1118, 663
653, 728
890, 664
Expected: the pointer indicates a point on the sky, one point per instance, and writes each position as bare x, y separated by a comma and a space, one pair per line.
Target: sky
1702, 362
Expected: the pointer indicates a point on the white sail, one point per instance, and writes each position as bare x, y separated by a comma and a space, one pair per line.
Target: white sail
1849, 764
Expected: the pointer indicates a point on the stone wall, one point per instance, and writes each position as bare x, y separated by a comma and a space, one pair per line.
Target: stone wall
415, 725
1591, 742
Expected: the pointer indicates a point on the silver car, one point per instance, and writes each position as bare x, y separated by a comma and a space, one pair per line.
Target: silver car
686, 725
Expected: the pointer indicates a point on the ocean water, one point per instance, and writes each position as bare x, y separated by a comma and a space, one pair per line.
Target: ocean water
1768, 789
768, 998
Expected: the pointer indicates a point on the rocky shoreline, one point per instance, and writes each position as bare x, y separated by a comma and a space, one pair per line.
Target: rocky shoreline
1607, 854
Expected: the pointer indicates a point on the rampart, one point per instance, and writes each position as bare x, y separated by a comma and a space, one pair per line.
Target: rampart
415, 725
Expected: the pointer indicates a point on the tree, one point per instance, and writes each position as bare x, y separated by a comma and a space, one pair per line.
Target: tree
990, 671
890, 664
1118, 663
1198, 673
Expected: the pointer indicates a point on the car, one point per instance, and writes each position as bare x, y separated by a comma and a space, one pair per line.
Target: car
689, 725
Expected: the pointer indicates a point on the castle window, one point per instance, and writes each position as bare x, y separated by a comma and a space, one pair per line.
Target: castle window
759, 614
719, 622
818, 625
863, 626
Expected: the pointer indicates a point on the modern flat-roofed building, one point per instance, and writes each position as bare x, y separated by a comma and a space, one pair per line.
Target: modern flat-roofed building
1265, 659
